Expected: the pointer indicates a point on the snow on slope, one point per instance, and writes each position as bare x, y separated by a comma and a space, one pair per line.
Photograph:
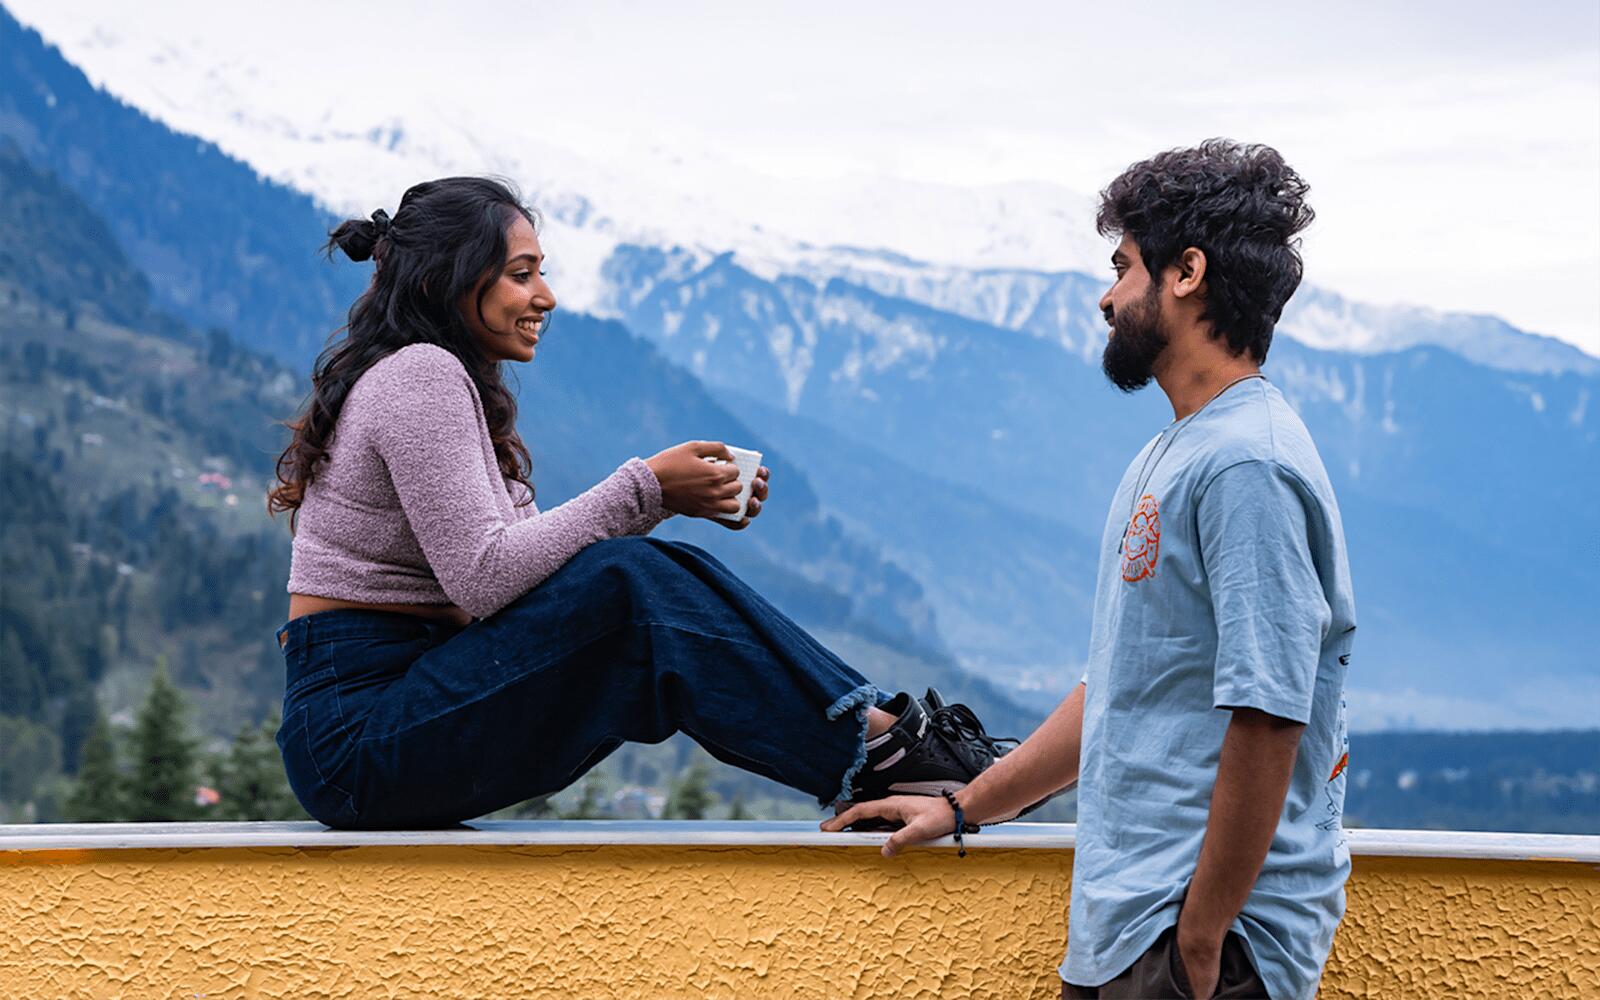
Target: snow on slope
1316, 317
355, 153
1320, 318
994, 253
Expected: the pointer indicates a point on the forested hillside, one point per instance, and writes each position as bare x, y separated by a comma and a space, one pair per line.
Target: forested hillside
136, 456
159, 308
131, 471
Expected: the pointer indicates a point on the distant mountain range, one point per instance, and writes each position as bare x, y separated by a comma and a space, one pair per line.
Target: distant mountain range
944, 441
1446, 468
134, 456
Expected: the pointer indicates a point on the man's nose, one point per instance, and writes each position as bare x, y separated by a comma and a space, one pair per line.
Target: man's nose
1105, 305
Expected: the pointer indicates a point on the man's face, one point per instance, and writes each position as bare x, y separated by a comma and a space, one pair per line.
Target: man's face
1132, 306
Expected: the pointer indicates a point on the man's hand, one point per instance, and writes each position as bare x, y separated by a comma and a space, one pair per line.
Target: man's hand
1202, 960
1045, 763
1253, 772
925, 817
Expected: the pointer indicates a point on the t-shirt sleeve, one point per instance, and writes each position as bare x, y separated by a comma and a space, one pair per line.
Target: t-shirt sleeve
426, 431
1271, 612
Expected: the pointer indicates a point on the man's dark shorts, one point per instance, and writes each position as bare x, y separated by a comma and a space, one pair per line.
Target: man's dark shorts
1158, 975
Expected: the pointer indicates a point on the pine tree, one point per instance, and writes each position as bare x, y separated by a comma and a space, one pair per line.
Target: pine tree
589, 797
29, 752
97, 794
737, 810
538, 807
163, 755
691, 796
251, 779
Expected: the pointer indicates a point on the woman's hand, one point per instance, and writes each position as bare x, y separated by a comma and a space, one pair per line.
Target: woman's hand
926, 817
758, 496
691, 485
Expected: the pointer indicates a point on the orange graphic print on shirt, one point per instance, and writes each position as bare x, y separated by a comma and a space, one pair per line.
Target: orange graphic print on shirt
1338, 769
1142, 541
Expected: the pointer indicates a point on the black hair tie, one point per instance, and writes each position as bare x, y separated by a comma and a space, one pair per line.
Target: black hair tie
380, 235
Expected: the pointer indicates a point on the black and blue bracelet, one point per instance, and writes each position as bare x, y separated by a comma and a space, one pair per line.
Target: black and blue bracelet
962, 826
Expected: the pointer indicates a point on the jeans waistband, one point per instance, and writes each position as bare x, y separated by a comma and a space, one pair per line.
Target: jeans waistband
350, 623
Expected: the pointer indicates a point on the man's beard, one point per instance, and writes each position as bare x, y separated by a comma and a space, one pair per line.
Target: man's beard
1136, 342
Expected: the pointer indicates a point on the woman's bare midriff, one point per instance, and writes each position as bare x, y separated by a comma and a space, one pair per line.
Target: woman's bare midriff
301, 605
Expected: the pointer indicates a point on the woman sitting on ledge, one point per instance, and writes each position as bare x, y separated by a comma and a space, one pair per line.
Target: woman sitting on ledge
451, 649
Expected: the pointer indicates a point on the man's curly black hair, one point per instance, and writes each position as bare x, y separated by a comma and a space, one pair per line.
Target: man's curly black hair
1239, 204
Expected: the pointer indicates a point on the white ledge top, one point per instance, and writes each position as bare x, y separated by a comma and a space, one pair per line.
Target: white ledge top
713, 833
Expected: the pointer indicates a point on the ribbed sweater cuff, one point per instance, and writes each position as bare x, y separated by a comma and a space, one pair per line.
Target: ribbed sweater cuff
651, 513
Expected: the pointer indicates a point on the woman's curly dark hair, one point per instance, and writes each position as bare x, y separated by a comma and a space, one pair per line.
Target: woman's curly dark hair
444, 239
1239, 204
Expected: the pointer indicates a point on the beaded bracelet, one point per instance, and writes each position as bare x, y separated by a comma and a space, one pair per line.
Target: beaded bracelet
962, 826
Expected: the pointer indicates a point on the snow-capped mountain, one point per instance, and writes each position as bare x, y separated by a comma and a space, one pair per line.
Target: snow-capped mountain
1062, 305
951, 415
1010, 255
982, 454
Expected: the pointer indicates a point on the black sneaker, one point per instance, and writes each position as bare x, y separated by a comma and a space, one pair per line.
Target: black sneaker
928, 751
961, 723
962, 719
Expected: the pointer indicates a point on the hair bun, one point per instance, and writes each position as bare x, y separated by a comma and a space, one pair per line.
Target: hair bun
358, 238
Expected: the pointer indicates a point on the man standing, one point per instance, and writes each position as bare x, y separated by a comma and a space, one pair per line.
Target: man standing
1208, 736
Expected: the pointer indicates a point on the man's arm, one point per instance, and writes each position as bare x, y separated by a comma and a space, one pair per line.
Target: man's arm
1253, 773
1046, 762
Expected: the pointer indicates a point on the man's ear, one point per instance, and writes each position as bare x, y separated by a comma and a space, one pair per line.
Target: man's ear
1191, 265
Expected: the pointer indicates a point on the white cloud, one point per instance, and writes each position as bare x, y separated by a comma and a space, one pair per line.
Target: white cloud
1453, 149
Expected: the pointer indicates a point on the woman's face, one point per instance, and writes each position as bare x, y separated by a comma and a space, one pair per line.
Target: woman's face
514, 301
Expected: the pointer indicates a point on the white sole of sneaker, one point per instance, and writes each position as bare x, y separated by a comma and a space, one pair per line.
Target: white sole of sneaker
926, 787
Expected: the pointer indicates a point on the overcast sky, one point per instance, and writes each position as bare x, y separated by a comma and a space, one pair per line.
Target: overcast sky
1453, 148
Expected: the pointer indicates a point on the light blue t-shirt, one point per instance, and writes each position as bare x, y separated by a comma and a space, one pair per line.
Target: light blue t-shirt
1223, 583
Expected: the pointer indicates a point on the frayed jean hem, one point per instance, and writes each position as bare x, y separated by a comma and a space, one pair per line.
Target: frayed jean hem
862, 700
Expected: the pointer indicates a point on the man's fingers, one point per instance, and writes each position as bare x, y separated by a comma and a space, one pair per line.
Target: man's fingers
897, 842
921, 825
876, 809
838, 821
913, 833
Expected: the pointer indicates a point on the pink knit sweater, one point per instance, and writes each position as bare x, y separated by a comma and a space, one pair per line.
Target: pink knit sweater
410, 507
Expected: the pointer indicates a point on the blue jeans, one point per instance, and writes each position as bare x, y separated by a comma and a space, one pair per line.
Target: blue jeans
391, 720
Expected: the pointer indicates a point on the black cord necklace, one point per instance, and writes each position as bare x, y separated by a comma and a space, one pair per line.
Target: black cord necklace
1141, 480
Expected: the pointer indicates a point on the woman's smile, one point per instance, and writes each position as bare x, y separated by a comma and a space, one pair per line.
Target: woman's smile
507, 311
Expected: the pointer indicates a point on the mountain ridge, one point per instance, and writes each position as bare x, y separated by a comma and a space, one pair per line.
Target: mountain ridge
356, 163
1444, 468
1452, 472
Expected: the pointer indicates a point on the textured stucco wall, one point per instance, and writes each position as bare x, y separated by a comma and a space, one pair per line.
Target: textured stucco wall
764, 922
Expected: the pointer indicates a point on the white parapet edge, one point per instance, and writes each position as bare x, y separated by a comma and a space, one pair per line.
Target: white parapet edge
713, 833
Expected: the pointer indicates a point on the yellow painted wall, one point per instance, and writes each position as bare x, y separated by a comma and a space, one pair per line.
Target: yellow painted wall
770, 923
